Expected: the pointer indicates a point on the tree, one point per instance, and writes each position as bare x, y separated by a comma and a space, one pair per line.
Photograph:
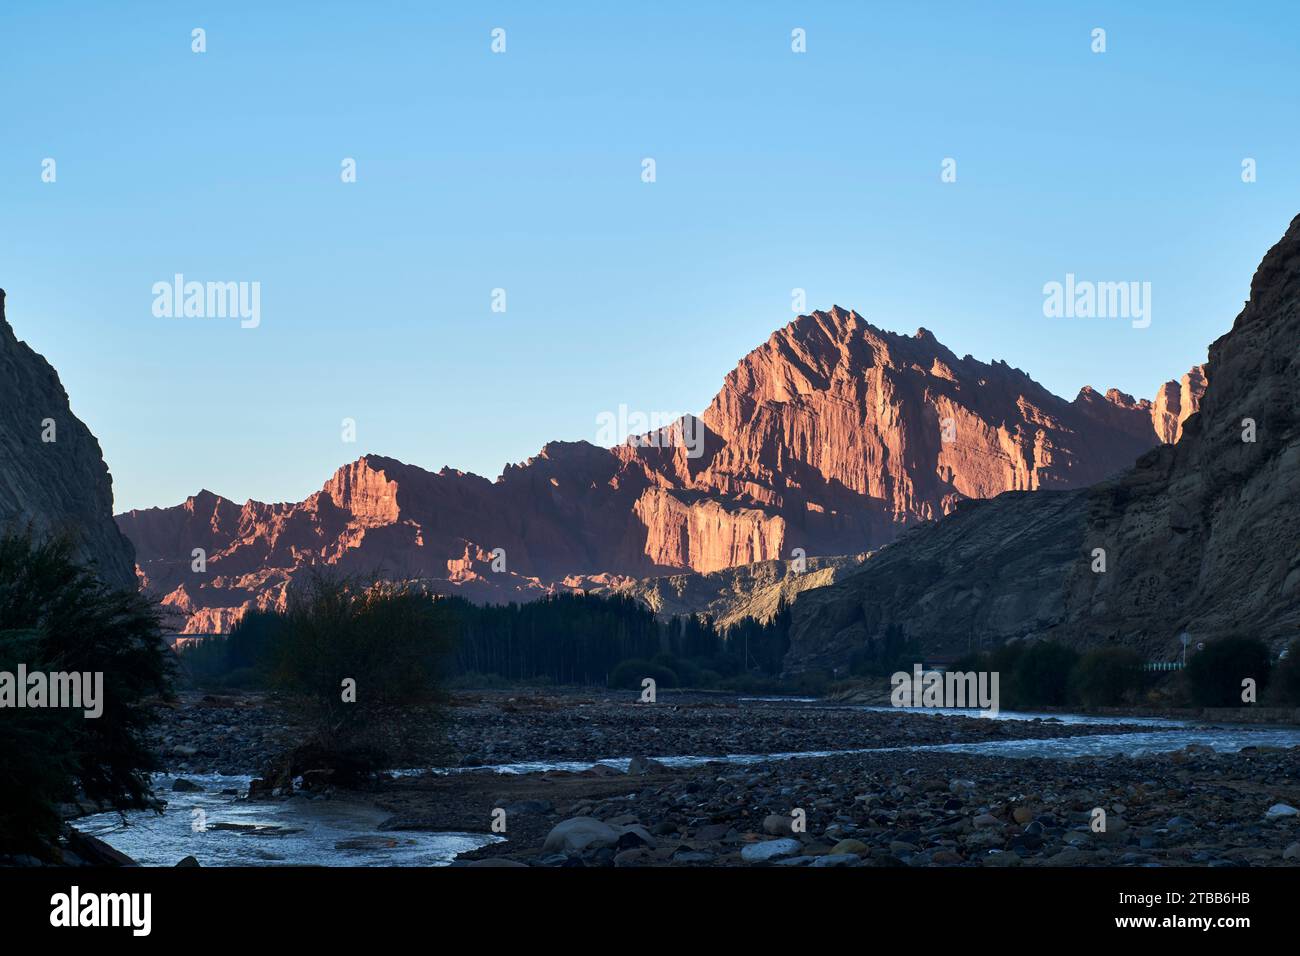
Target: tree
1041, 675
361, 663
55, 617
1214, 675
1106, 677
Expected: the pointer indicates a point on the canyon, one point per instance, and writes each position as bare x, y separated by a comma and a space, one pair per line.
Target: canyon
1197, 537
829, 439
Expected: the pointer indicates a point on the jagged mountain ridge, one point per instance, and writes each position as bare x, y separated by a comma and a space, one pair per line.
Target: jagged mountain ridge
829, 437
1199, 537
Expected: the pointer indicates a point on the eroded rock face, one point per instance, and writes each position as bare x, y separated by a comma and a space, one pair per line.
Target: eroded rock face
1204, 535
58, 487
1199, 536
832, 437
730, 595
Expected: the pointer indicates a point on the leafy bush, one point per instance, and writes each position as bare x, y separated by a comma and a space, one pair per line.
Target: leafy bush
1040, 676
1213, 676
361, 663
1106, 677
55, 616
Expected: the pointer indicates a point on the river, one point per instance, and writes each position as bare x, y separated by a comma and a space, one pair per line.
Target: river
219, 828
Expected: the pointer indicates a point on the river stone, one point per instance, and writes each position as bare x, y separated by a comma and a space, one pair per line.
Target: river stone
984, 839
1292, 852
1070, 856
986, 820
1281, 810
578, 834
769, 850
996, 858
837, 859
774, 824
638, 856
856, 847
714, 831
181, 785
692, 856
634, 835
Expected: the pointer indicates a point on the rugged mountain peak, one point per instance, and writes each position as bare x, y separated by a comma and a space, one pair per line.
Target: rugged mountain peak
52, 473
830, 437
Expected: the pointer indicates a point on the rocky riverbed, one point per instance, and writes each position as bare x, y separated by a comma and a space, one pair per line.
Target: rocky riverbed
886, 809
880, 807
243, 733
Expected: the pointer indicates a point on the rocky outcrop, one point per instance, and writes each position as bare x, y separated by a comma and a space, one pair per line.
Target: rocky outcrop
730, 595
1197, 537
53, 479
1176, 402
830, 438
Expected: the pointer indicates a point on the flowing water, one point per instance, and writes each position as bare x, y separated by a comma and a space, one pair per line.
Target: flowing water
220, 829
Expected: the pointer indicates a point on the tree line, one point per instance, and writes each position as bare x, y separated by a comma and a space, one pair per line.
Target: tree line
564, 639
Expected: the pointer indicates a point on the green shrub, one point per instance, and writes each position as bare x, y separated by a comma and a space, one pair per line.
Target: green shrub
1040, 676
361, 662
1106, 677
55, 616
1213, 676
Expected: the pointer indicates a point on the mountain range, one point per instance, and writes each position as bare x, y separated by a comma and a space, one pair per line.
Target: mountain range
829, 439
1198, 538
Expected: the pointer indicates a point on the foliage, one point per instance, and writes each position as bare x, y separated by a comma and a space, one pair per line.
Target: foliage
56, 617
1106, 677
361, 663
1213, 675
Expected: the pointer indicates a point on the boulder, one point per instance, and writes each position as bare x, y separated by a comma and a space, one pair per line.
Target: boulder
578, 834
769, 850
774, 824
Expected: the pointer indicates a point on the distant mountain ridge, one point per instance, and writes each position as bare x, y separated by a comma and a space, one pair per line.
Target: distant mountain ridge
831, 437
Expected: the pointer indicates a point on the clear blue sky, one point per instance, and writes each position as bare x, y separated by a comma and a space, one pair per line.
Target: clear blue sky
774, 170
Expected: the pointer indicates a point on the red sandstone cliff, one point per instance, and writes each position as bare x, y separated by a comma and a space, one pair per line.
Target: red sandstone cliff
831, 437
